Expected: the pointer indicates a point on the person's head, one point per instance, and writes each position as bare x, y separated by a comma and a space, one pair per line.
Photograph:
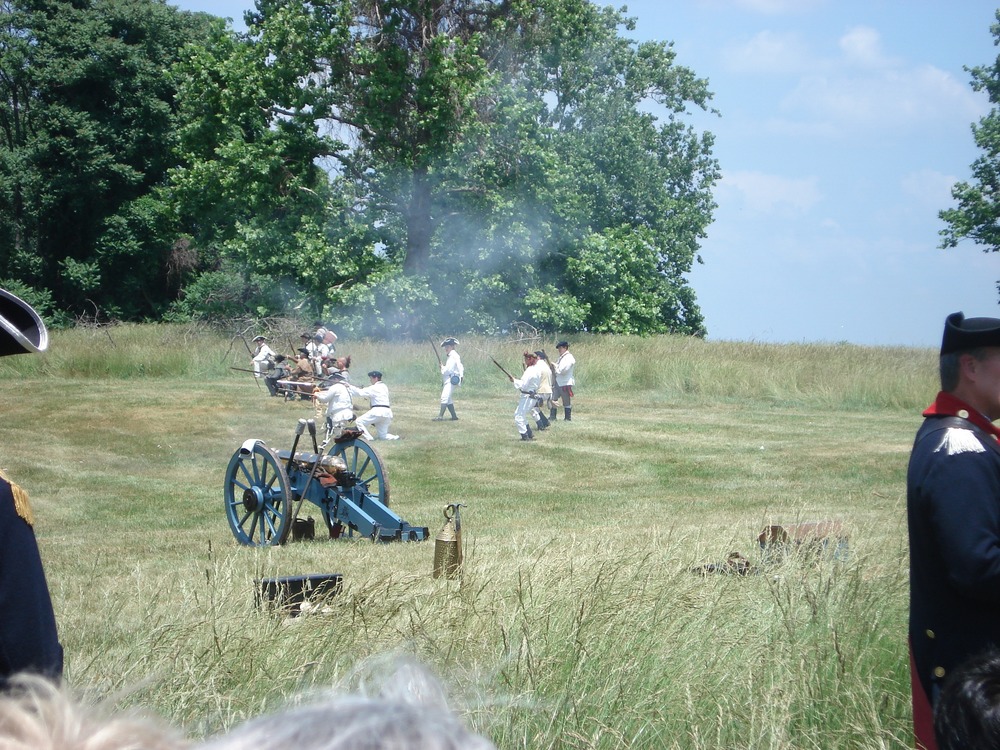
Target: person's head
303, 352
530, 358
967, 714
449, 343
375, 376
408, 711
541, 355
279, 357
21, 329
970, 362
35, 714
562, 346
259, 339
343, 363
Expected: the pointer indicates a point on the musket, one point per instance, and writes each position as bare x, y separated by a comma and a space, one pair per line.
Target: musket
436, 353
501, 369
242, 369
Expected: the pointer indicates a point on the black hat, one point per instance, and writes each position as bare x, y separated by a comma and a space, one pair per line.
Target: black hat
962, 334
375, 374
303, 350
336, 375
21, 329
450, 341
562, 344
541, 354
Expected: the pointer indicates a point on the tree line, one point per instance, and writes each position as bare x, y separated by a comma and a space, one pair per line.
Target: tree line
397, 166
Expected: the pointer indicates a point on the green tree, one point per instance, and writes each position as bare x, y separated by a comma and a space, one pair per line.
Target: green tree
86, 124
977, 215
474, 149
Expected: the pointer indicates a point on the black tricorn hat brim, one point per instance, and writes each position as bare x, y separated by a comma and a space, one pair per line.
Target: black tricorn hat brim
962, 334
21, 329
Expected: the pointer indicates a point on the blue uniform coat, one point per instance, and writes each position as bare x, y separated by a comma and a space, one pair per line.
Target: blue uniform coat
953, 515
28, 639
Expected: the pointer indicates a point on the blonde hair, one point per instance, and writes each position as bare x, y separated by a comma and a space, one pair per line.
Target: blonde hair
35, 714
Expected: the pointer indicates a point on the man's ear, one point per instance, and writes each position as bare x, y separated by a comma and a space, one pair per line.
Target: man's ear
967, 366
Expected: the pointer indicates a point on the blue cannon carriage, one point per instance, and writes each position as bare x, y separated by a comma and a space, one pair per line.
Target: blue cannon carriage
264, 490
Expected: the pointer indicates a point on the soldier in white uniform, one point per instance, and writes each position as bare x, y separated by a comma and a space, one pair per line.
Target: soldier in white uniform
564, 381
339, 405
262, 358
543, 396
452, 373
527, 384
379, 415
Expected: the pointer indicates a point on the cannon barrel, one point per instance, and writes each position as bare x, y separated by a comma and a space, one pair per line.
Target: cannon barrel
306, 461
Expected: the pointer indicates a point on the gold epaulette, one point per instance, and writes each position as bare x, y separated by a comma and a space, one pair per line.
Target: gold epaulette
21, 505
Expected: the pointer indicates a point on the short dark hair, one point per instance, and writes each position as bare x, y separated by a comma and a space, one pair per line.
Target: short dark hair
948, 366
967, 714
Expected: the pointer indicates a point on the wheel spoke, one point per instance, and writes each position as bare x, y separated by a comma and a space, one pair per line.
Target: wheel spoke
243, 470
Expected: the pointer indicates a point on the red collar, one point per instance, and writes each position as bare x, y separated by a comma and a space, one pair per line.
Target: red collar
947, 405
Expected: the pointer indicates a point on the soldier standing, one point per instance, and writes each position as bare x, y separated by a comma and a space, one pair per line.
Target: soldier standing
543, 396
452, 373
28, 637
527, 385
953, 516
564, 381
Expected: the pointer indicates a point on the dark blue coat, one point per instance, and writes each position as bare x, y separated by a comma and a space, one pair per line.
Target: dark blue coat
28, 639
953, 514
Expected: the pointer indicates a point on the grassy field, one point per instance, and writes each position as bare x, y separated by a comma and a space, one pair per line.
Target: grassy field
578, 622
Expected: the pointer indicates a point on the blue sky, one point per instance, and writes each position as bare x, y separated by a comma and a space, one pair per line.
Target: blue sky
843, 125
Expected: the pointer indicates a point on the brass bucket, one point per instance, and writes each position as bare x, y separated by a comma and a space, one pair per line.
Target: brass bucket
448, 544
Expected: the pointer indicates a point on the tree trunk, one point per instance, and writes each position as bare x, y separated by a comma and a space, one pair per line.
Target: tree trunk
419, 226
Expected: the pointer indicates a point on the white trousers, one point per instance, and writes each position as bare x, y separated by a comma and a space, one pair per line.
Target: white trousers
521, 412
446, 392
379, 418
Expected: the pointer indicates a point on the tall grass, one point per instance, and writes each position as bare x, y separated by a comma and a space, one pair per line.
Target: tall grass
578, 622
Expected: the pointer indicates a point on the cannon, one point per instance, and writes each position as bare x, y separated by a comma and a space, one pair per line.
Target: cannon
264, 490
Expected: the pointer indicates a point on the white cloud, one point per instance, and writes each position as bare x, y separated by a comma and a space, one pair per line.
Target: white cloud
892, 98
862, 46
769, 52
928, 188
857, 86
767, 193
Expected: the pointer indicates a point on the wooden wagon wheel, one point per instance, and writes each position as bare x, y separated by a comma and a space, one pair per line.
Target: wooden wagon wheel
258, 497
367, 467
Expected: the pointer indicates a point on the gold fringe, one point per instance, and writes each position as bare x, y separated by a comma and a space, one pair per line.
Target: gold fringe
21, 505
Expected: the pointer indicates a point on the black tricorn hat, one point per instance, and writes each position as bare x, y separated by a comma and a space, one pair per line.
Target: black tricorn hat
21, 330
962, 334
375, 374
